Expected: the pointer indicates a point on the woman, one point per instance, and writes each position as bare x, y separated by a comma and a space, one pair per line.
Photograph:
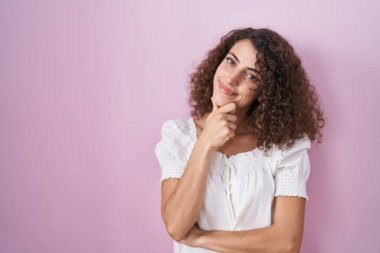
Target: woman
234, 174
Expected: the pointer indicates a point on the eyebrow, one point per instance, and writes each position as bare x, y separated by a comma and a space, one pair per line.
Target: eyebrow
237, 59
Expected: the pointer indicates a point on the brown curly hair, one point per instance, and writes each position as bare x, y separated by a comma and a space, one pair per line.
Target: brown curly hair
287, 107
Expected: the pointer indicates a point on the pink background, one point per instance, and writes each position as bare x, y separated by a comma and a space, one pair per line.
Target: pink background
86, 85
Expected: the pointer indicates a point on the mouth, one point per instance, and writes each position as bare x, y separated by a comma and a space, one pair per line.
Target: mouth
225, 90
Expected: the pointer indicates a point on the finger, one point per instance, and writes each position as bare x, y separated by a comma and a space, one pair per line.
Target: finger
231, 125
214, 105
230, 135
228, 108
230, 117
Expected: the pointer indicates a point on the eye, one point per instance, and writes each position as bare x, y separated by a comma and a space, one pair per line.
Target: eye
230, 61
254, 81
251, 77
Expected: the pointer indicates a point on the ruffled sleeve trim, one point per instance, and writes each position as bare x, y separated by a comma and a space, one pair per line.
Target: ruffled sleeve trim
172, 150
292, 169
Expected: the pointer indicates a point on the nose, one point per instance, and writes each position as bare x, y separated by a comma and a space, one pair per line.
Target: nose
233, 77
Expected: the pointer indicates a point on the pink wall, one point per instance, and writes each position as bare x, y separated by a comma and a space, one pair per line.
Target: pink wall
86, 85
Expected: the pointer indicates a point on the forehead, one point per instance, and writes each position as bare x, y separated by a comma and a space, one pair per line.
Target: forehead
245, 51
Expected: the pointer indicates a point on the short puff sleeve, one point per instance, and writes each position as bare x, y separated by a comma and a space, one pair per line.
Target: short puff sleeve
292, 169
172, 150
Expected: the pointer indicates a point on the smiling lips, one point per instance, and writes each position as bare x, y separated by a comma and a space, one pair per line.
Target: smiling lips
225, 90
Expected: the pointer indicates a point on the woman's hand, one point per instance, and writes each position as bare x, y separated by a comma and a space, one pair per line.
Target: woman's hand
194, 237
220, 125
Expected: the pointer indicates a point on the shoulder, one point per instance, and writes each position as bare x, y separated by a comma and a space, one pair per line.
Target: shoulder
299, 144
176, 127
176, 139
278, 156
302, 144
292, 169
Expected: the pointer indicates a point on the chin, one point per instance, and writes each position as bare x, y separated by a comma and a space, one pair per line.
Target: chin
221, 100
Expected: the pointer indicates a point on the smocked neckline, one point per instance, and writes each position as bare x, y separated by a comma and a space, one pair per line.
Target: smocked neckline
193, 132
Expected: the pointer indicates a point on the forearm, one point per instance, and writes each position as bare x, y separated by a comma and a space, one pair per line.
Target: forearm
268, 240
183, 207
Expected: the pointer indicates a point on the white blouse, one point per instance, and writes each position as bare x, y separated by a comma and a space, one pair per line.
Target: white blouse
240, 189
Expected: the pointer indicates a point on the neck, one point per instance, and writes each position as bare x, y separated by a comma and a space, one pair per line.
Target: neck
241, 122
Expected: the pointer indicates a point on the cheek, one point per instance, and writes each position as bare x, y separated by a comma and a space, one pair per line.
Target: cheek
221, 69
247, 98
218, 74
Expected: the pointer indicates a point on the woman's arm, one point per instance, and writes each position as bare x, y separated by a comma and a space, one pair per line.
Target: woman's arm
284, 236
182, 199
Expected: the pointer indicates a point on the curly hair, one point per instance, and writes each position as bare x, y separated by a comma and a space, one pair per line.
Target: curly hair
287, 107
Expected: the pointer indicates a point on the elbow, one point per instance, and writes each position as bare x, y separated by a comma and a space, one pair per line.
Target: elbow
176, 233
286, 244
176, 230
291, 247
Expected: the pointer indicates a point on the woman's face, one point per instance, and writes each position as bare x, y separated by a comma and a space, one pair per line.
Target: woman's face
235, 79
